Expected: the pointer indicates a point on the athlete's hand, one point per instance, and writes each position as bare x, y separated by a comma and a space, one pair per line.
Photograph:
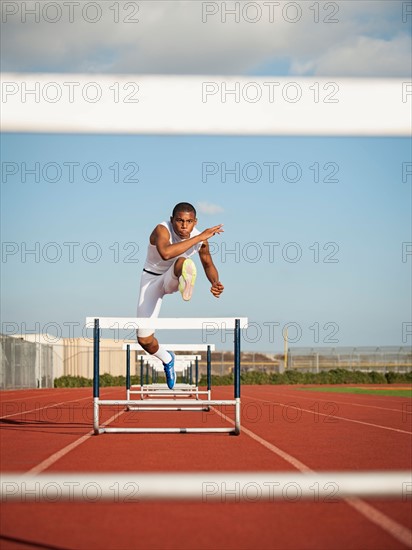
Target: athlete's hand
217, 289
207, 233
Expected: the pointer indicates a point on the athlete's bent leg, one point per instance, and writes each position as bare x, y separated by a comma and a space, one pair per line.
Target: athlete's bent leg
185, 271
149, 343
178, 265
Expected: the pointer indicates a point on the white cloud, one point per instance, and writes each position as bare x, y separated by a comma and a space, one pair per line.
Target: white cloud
363, 57
209, 208
171, 37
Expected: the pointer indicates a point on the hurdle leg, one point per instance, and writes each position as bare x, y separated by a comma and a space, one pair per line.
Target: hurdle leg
197, 377
209, 372
96, 376
128, 383
128, 372
237, 376
141, 378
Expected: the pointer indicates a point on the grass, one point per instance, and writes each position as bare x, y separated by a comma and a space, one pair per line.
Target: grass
370, 391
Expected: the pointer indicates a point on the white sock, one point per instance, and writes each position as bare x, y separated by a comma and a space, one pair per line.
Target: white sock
163, 355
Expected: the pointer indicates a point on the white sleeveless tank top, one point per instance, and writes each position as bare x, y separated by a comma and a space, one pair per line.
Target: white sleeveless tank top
154, 261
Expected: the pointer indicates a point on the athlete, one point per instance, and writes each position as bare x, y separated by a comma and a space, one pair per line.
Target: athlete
169, 268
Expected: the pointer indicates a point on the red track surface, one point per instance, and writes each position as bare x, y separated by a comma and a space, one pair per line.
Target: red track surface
283, 429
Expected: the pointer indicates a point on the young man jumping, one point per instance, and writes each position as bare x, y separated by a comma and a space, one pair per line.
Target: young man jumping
168, 268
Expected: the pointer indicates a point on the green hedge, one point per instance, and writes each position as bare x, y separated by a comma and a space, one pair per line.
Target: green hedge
336, 376
81, 382
72, 382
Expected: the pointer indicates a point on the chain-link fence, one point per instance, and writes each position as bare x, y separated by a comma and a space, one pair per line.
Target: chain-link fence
379, 359
25, 364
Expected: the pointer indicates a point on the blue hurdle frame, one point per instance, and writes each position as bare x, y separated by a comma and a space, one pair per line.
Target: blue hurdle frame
97, 402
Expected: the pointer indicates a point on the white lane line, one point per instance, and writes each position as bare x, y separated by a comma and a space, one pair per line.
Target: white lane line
60, 454
398, 531
48, 406
38, 396
286, 456
289, 405
392, 527
350, 403
44, 408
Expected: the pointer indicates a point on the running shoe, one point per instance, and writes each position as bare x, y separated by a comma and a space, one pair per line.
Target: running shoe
187, 279
169, 369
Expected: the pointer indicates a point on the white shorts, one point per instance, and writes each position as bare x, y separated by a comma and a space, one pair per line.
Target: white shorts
152, 290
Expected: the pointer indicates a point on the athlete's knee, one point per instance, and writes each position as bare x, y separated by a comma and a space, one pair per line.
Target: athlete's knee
148, 343
145, 340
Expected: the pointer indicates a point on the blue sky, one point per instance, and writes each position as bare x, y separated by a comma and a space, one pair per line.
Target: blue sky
328, 258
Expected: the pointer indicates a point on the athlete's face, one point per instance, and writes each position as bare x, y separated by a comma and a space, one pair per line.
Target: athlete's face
183, 224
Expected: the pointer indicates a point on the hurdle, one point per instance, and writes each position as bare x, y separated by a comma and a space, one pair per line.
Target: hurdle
194, 348
186, 389
155, 389
182, 361
183, 365
204, 324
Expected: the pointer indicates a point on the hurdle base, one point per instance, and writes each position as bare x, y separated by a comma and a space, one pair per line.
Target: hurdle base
166, 430
163, 402
148, 408
177, 386
162, 393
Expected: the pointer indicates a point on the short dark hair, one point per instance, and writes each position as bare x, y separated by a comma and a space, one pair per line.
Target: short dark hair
183, 207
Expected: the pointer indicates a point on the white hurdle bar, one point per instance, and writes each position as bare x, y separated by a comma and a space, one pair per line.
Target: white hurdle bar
206, 486
126, 323
175, 347
179, 112
168, 323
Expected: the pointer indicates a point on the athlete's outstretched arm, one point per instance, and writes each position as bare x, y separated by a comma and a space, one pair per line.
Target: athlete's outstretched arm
160, 238
210, 270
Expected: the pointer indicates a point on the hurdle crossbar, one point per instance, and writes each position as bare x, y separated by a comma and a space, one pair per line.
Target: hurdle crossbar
168, 323
207, 486
171, 323
181, 112
174, 347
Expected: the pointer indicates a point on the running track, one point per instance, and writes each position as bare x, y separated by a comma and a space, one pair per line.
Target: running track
283, 429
